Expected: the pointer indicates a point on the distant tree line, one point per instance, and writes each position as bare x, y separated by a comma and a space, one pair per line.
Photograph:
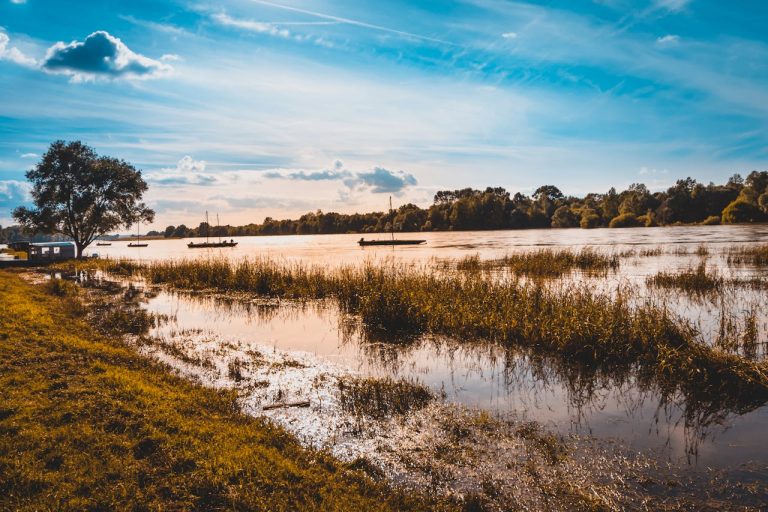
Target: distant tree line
739, 200
687, 202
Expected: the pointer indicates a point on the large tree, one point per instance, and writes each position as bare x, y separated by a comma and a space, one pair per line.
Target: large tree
83, 195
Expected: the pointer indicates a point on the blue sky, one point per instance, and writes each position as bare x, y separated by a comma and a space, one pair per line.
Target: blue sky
255, 108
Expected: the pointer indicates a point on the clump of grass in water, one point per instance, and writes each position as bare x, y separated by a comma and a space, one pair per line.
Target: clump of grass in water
696, 281
545, 262
380, 398
755, 255
651, 252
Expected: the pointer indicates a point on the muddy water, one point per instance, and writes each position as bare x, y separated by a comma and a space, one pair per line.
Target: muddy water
476, 374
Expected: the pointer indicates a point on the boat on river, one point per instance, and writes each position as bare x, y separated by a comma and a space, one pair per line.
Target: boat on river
137, 243
102, 244
364, 243
208, 244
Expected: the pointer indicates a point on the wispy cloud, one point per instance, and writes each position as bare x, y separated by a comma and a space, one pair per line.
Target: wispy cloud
672, 5
272, 29
101, 55
13, 54
353, 22
30, 155
154, 25
668, 40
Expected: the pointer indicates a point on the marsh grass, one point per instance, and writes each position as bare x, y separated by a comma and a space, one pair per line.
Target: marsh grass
547, 263
693, 281
570, 321
381, 398
753, 255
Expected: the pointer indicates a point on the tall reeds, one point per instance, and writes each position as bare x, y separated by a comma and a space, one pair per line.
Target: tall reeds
569, 320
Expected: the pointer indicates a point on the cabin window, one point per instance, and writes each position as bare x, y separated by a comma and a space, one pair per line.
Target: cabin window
56, 250
45, 250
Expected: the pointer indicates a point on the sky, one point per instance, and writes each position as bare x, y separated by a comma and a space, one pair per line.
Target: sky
256, 108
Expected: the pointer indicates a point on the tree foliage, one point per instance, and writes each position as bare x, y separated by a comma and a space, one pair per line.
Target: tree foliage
82, 195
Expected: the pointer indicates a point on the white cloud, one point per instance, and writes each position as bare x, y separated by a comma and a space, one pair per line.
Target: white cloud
188, 164
253, 26
379, 180
12, 53
668, 40
30, 155
13, 193
188, 171
509, 35
672, 5
170, 57
18, 1
101, 55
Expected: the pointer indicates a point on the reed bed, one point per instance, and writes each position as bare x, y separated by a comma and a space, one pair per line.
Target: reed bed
756, 255
693, 281
567, 320
546, 262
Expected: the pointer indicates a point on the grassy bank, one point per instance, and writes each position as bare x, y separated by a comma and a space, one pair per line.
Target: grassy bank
571, 322
86, 424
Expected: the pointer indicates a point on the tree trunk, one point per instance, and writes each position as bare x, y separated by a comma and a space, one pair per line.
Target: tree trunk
79, 248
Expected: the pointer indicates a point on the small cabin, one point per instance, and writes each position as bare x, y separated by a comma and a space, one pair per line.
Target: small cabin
19, 245
51, 251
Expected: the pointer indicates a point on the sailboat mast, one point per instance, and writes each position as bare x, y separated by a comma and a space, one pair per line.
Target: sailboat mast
392, 222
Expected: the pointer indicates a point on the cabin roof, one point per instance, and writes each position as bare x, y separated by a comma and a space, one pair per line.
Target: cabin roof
53, 244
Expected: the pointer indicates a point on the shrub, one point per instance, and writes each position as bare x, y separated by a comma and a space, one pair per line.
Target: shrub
625, 220
712, 220
741, 211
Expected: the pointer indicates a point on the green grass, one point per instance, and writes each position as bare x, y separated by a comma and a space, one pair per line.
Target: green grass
87, 424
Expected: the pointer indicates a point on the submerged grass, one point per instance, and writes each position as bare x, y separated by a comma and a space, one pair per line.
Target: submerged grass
572, 322
693, 281
87, 424
546, 262
380, 398
752, 255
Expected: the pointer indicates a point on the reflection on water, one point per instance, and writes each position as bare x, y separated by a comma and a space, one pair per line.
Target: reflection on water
620, 403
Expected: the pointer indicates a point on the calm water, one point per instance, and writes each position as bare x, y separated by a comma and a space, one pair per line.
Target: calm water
334, 249
566, 399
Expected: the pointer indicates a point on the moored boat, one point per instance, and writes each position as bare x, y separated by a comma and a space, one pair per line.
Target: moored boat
362, 242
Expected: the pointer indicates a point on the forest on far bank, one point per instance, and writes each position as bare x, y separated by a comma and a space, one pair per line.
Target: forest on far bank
739, 200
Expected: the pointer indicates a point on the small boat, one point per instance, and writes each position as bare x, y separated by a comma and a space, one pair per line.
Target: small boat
204, 245
364, 243
137, 243
102, 244
208, 244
